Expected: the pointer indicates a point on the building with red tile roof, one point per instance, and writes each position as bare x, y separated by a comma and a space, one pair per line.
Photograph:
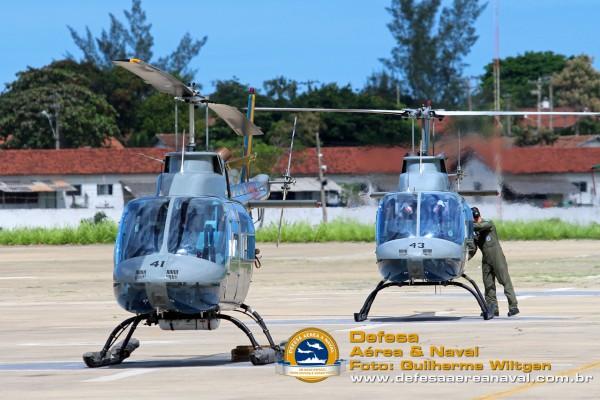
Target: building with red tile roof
83, 161
566, 171
101, 178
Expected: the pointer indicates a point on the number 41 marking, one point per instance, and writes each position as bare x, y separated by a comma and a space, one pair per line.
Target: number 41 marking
158, 264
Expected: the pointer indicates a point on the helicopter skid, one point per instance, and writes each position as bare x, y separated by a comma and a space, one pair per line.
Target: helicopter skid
485, 312
114, 353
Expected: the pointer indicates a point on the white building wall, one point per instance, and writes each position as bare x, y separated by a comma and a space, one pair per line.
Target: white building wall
478, 176
52, 217
89, 197
584, 198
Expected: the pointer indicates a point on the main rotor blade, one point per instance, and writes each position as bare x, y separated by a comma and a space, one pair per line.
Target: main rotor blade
160, 80
512, 113
479, 192
415, 113
283, 204
235, 119
334, 110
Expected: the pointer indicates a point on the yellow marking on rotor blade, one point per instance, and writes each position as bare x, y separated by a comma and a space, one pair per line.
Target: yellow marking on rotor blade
250, 135
527, 386
135, 60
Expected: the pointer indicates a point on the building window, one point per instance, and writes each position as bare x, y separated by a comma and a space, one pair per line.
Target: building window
76, 192
582, 186
19, 197
104, 189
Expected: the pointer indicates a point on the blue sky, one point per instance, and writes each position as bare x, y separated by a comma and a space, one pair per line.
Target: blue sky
327, 40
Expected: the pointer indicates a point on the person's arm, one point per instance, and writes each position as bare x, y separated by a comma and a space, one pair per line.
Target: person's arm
483, 226
471, 247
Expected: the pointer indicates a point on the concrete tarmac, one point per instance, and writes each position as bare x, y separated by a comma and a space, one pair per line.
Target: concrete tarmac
57, 303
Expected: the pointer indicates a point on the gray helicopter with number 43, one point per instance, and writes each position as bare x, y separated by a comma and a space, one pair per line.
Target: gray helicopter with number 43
184, 257
424, 229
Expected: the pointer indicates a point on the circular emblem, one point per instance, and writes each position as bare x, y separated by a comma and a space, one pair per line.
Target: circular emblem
313, 354
488, 239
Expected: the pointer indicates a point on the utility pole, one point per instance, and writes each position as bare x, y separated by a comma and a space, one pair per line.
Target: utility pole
55, 128
551, 96
497, 132
56, 107
322, 167
507, 98
207, 133
468, 84
397, 94
539, 105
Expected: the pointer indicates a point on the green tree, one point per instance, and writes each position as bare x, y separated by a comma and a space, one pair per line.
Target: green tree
354, 129
517, 77
85, 118
281, 89
578, 86
431, 46
528, 136
136, 40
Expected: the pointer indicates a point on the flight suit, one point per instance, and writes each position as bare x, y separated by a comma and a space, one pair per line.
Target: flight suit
494, 264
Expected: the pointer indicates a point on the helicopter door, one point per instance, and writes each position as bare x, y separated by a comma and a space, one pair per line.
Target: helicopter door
233, 238
247, 252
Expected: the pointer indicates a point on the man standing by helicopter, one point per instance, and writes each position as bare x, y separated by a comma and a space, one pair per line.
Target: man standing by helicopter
494, 265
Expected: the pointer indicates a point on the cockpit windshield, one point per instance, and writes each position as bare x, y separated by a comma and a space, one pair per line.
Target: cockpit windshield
441, 216
198, 228
397, 217
143, 227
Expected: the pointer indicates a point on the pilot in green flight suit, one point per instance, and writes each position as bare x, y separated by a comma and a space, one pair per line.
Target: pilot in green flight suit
494, 265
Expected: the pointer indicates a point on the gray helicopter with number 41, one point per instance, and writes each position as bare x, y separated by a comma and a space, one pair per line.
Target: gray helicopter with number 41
424, 229
185, 256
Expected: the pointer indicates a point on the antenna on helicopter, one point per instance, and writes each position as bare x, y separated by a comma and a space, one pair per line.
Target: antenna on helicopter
287, 180
459, 171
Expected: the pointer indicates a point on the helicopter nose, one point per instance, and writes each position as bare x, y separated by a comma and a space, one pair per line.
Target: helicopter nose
168, 282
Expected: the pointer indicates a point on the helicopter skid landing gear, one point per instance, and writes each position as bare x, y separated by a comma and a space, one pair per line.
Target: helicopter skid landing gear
112, 353
255, 353
364, 311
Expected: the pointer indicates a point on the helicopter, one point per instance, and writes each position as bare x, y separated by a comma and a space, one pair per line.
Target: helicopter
424, 229
185, 256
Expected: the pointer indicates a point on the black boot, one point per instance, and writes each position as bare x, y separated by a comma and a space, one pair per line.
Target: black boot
513, 311
493, 310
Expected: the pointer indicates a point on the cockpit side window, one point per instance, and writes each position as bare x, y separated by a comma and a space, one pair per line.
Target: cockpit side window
142, 228
198, 228
397, 217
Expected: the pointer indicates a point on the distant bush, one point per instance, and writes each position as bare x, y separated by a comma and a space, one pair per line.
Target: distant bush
352, 231
89, 232
86, 233
336, 231
548, 229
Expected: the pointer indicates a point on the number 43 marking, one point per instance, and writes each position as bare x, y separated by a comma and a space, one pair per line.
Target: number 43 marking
417, 245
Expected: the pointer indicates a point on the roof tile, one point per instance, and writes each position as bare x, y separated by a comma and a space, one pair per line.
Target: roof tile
81, 161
